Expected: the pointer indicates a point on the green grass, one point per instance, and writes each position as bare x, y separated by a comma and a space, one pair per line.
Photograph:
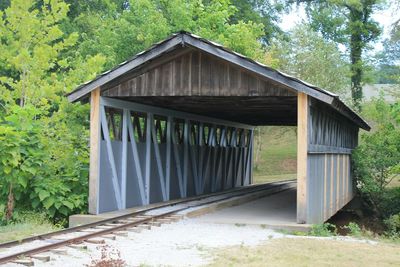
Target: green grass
259, 179
309, 252
277, 154
28, 224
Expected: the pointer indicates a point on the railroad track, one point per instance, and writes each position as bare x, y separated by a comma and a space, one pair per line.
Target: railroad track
97, 232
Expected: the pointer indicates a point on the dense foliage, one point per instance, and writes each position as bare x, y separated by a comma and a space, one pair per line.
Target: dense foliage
43, 139
377, 162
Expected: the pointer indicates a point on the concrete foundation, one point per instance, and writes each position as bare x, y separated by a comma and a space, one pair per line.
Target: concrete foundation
274, 208
277, 211
200, 210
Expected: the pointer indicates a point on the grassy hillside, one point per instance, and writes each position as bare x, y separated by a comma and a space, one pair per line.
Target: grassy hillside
275, 155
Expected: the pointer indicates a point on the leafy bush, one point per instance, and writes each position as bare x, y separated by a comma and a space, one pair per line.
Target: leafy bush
325, 229
376, 161
393, 226
21, 154
353, 229
43, 166
43, 139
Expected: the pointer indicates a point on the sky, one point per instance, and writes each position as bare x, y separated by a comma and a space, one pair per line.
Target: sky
385, 17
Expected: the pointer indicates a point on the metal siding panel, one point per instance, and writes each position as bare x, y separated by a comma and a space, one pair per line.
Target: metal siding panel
107, 200
133, 193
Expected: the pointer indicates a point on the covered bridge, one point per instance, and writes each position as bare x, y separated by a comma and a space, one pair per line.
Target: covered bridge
177, 120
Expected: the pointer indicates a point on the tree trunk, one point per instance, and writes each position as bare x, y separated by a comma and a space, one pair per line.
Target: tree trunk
356, 47
10, 203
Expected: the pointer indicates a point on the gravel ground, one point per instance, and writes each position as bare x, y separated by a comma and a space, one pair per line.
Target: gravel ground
185, 243
189, 242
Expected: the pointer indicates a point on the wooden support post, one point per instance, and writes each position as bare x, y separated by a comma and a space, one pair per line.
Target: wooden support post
94, 169
302, 141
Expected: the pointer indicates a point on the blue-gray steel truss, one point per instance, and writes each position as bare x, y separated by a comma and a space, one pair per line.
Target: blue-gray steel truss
150, 154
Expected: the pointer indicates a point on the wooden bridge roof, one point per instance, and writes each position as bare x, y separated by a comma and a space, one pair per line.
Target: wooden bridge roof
188, 73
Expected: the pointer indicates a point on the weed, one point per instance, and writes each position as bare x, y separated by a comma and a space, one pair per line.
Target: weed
325, 229
25, 223
353, 229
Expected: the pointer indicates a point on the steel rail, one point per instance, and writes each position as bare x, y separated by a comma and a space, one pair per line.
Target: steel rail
135, 213
116, 228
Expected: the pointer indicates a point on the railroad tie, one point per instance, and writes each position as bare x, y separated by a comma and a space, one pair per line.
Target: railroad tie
144, 226
95, 241
155, 223
114, 224
125, 221
60, 251
111, 237
89, 230
175, 217
134, 229
77, 246
41, 257
26, 262
142, 217
102, 227
121, 233
164, 220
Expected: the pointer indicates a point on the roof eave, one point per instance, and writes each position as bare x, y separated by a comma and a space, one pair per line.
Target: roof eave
138, 60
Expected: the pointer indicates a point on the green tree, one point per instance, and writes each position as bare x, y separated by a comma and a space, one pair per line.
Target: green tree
264, 12
144, 22
307, 55
377, 158
34, 78
349, 23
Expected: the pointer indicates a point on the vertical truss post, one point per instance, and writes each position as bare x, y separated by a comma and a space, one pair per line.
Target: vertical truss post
149, 122
222, 157
195, 158
207, 169
185, 155
168, 158
178, 164
200, 176
250, 166
216, 147
158, 160
231, 157
124, 156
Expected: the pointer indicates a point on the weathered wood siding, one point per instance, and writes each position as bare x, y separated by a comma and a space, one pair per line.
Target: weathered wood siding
331, 138
195, 73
